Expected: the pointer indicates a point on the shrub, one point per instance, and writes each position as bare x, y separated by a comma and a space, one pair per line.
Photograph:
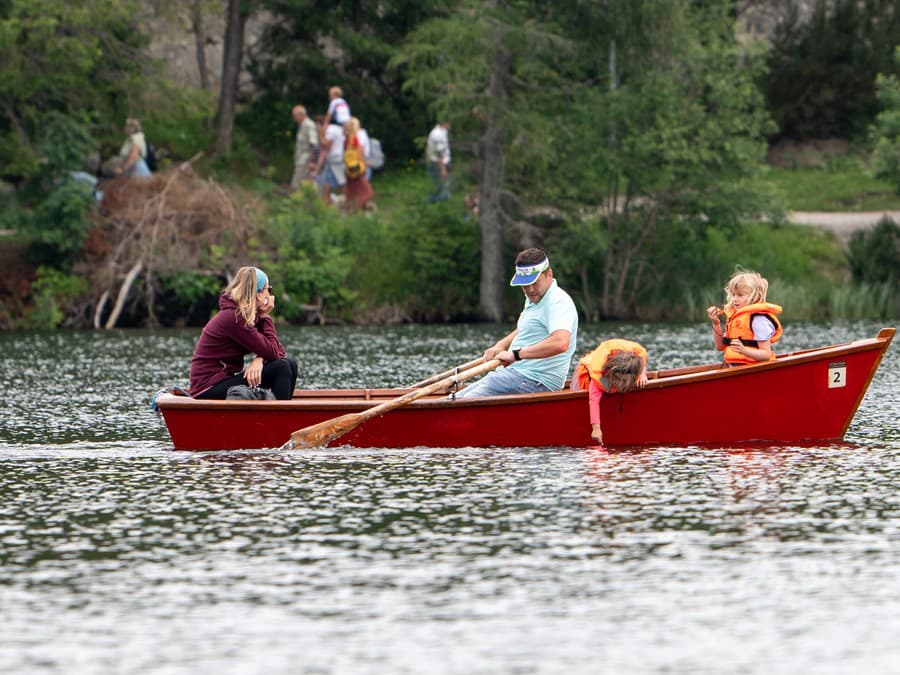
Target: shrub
311, 259
59, 227
52, 292
874, 255
435, 264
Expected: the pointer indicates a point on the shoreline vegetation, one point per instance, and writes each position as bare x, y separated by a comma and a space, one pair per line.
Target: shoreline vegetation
406, 262
650, 148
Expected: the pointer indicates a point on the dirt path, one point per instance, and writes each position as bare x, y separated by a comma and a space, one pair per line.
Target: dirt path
842, 224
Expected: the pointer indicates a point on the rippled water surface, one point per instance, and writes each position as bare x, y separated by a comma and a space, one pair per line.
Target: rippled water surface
120, 555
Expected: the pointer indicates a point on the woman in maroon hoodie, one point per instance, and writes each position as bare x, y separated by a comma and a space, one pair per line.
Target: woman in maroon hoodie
242, 326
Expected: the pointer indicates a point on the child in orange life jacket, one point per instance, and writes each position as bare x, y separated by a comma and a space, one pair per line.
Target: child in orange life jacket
615, 366
751, 325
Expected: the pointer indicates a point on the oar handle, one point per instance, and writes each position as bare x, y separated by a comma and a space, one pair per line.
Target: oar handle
447, 373
435, 387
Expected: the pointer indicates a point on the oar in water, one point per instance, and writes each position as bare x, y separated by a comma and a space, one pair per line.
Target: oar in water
323, 433
447, 373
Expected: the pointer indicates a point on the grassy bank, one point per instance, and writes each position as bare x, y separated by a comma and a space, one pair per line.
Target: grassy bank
832, 184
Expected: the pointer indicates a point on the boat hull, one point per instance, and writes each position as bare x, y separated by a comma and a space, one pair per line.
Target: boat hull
804, 396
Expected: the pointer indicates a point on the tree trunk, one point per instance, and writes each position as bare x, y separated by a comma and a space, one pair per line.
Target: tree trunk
616, 222
123, 294
200, 42
231, 70
490, 221
101, 305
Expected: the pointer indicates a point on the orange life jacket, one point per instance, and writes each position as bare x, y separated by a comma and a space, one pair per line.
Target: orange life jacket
591, 365
738, 326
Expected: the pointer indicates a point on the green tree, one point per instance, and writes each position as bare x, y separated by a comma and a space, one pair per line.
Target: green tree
675, 136
886, 131
823, 66
59, 56
494, 71
643, 114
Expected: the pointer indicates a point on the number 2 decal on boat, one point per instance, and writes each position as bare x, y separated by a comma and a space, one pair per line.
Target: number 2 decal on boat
837, 374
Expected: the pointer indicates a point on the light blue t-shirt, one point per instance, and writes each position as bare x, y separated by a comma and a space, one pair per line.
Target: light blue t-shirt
555, 311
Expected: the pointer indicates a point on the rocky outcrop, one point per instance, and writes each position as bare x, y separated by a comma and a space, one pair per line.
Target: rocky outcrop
173, 41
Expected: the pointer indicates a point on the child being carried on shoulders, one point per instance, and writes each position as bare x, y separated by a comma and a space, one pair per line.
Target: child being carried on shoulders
615, 366
751, 324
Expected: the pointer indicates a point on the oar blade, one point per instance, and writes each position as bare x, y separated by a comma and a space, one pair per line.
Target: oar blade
319, 435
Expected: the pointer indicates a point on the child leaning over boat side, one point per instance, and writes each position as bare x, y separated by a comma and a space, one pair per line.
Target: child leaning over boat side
751, 325
615, 366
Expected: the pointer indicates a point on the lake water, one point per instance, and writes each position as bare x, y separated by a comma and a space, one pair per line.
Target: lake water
120, 555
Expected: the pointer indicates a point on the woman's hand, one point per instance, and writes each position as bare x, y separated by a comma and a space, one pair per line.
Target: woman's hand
642, 380
253, 374
266, 306
596, 434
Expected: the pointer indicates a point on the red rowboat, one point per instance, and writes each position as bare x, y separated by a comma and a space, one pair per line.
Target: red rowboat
809, 395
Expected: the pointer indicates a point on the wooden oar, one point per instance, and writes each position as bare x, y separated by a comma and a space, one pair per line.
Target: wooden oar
323, 433
447, 373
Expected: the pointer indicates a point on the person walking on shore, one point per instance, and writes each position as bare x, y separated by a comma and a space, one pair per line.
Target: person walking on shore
437, 155
307, 140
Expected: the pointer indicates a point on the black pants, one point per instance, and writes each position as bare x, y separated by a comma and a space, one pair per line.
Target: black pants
280, 376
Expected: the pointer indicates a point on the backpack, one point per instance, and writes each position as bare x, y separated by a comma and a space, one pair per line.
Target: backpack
243, 392
376, 157
151, 159
354, 165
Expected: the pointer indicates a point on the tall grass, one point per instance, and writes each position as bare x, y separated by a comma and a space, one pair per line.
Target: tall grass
864, 301
801, 302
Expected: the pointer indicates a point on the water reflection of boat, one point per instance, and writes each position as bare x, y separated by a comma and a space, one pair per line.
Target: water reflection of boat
808, 395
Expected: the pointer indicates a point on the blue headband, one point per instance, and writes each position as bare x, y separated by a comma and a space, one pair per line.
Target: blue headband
261, 280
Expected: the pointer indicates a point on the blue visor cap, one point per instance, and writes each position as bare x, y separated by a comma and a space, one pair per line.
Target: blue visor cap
527, 274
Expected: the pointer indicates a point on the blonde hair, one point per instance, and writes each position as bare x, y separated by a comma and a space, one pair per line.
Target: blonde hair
335, 91
132, 125
242, 289
746, 282
622, 370
351, 127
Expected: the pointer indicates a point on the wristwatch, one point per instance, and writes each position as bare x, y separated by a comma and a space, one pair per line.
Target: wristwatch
516, 355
